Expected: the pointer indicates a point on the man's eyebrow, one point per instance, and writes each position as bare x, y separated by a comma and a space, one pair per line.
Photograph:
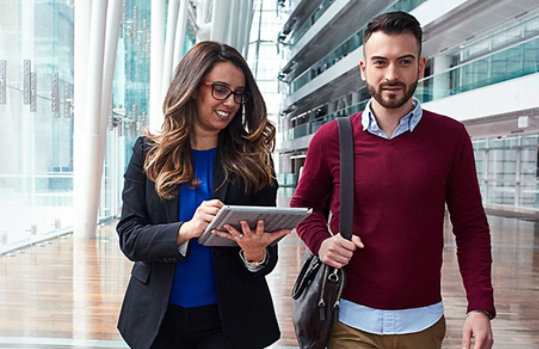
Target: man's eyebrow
410, 56
407, 56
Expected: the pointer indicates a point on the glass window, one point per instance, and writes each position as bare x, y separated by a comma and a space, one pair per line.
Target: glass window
36, 176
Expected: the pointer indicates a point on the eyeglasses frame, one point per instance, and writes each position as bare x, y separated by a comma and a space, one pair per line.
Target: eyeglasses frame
244, 96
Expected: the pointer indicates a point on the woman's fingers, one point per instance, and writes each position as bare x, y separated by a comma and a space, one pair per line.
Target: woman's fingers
228, 236
278, 234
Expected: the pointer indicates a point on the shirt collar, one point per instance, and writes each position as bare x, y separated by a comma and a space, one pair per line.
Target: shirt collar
413, 118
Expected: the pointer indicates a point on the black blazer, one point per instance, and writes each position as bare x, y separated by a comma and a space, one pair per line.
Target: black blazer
148, 229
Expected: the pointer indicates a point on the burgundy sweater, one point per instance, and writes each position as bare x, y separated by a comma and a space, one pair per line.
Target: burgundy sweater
401, 188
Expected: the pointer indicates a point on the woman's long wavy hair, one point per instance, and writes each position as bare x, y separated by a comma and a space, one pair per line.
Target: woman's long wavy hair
244, 147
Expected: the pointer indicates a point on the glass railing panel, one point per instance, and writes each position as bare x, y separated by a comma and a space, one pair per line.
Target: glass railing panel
501, 193
312, 127
290, 134
528, 195
509, 64
290, 179
511, 164
301, 130
405, 5
32, 184
512, 35
287, 179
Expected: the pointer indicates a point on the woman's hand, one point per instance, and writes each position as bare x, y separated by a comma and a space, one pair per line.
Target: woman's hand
253, 243
201, 219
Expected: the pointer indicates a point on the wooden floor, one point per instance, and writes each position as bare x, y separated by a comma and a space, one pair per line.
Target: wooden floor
66, 293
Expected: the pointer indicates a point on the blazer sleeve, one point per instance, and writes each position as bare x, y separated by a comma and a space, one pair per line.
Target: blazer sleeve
142, 239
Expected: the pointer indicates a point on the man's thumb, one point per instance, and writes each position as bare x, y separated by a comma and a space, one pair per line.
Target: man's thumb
466, 337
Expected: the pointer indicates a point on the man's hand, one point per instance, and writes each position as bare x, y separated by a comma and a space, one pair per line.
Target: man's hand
477, 326
337, 251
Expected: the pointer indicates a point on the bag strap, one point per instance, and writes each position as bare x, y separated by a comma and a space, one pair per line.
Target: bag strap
346, 151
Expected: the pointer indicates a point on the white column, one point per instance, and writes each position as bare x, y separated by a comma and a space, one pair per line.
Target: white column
203, 32
90, 138
179, 39
28, 120
248, 24
204, 11
81, 48
114, 15
231, 28
156, 60
82, 37
440, 82
203, 19
172, 22
219, 20
242, 27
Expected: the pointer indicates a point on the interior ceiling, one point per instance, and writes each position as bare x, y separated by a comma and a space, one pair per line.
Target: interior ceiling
465, 22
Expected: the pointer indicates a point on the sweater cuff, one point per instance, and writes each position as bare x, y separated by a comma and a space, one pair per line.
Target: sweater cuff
486, 312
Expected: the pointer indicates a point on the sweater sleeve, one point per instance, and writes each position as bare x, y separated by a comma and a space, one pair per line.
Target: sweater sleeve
314, 191
470, 227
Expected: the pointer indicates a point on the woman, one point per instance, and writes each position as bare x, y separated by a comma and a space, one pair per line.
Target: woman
214, 148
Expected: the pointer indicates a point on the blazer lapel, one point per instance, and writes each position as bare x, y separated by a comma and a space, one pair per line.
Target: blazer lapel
172, 209
219, 188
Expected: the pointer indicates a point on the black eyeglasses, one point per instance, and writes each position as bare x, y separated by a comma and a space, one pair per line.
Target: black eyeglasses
221, 92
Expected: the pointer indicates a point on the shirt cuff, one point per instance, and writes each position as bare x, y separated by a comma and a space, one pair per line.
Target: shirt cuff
254, 267
183, 247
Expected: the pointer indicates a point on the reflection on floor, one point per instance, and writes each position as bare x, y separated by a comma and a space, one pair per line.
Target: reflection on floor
66, 294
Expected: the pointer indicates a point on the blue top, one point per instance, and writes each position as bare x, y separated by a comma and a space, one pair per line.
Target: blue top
194, 282
379, 321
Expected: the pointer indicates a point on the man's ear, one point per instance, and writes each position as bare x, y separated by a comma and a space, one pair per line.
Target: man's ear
362, 68
422, 63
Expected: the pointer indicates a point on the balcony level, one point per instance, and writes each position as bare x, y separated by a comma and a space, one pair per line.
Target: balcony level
440, 34
309, 40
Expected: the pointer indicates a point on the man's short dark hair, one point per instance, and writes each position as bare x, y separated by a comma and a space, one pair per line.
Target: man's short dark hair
394, 23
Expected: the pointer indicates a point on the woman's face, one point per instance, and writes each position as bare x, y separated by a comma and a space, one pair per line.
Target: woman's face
213, 114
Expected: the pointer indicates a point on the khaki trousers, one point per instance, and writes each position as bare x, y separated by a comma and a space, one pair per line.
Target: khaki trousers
346, 337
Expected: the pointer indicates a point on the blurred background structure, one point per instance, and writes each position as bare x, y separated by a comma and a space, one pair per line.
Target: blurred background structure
81, 79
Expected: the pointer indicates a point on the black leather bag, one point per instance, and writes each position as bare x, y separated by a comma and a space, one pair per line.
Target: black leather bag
318, 288
315, 306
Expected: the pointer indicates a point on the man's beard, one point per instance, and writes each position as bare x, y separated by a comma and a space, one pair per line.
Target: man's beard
392, 102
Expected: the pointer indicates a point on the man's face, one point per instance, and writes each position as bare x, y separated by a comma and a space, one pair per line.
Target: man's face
391, 68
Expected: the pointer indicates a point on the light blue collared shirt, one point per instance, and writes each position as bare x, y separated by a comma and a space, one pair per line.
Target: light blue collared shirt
407, 123
385, 322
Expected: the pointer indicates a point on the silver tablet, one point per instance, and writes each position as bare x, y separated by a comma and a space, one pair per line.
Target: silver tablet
274, 218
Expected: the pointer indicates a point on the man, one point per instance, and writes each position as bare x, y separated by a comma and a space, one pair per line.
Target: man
409, 163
